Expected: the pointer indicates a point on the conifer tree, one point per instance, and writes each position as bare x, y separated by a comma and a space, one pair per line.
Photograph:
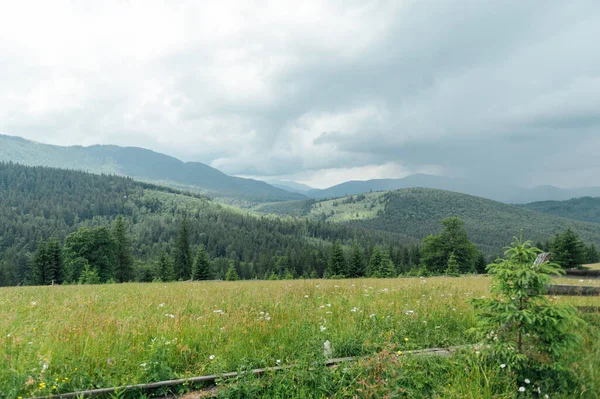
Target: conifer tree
201, 269
182, 262
388, 269
452, 269
357, 264
569, 251
48, 264
124, 259
376, 263
337, 262
164, 267
232, 274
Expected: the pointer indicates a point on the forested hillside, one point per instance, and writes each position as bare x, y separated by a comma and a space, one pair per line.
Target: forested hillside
586, 209
417, 213
141, 164
38, 203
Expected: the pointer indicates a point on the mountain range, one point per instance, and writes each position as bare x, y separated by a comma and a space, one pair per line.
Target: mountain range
507, 193
140, 164
154, 167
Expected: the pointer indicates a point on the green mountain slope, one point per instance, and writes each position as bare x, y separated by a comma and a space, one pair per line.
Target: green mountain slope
510, 194
586, 209
417, 212
140, 164
37, 203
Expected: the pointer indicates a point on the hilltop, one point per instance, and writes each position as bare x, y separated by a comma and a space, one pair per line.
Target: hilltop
416, 212
140, 164
586, 209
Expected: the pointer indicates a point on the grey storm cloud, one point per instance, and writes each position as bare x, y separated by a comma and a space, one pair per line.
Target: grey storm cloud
322, 92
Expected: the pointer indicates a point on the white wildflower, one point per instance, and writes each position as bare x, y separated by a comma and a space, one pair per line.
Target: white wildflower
212, 357
521, 389
527, 381
323, 328
327, 349
502, 365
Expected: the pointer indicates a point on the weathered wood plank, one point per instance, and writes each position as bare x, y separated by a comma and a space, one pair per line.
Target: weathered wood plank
572, 290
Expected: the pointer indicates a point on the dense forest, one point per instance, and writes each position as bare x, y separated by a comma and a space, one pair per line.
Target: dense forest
586, 209
60, 226
38, 204
417, 212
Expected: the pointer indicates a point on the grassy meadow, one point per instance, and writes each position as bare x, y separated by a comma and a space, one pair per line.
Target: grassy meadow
67, 338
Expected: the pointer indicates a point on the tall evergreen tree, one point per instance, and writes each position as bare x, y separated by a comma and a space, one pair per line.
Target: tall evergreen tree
164, 267
337, 262
376, 263
480, 263
124, 259
48, 264
568, 249
452, 268
436, 250
232, 274
592, 255
201, 269
357, 263
182, 262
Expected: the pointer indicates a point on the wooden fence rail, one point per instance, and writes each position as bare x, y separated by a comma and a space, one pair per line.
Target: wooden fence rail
572, 290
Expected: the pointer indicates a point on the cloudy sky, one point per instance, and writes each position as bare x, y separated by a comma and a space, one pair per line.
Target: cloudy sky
315, 91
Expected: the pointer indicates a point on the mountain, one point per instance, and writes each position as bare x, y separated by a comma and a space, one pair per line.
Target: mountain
586, 209
37, 203
292, 186
510, 194
417, 212
140, 164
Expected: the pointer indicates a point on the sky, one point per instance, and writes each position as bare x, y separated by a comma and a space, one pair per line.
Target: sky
319, 92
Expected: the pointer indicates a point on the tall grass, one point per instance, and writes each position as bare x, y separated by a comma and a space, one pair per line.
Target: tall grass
68, 338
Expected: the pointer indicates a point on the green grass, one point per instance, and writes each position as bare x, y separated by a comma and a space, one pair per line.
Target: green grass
82, 337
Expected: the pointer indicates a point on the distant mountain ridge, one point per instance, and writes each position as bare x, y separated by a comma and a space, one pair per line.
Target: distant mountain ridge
507, 193
292, 186
586, 209
141, 164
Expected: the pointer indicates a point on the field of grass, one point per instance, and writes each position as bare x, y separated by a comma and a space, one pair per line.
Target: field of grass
68, 338
337, 211
594, 266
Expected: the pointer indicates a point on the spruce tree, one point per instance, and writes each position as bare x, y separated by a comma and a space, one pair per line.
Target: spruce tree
55, 262
376, 263
337, 262
124, 259
388, 269
357, 264
164, 267
201, 269
232, 274
452, 269
568, 249
182, 262
40, 266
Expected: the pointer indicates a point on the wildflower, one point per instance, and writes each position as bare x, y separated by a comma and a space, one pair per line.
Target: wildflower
354, 309
33, 303
527, 381
54, 387
161, 305
211, 357
278, 361
521, 389
372, 315
143, 365
323, 328
405, 339
502, 365
170, 315
399, 352
42, 385
305, 296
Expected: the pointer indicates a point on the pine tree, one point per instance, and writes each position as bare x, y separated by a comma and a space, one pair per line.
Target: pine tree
182, 262
592, 255
40, 266
388, 269
452, 269
357, 264
568, 249
164, 267
201, 269
337, 262
480, 263
124, 259
55, 265
232, 274
376, 263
